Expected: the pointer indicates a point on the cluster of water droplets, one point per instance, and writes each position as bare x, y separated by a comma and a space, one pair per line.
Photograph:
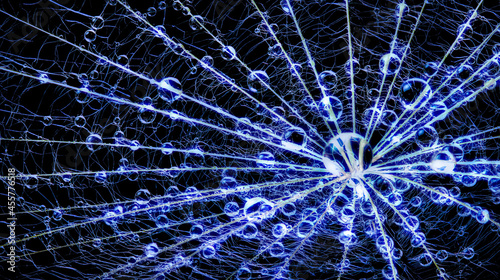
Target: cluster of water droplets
253, 140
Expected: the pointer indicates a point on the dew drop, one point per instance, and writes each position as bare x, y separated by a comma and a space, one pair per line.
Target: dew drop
258, 81
228, 53
443, 162
277, 249
208, 252
142, 196
414, 92
331, 108
250, 231
389, 63
328, 80
97, 22
93, 141
196, 22
170, 89
47, 120
90, 35
231, 209
265, 160
151, 250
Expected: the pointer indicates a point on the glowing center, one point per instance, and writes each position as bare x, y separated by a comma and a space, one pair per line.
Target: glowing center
347, 154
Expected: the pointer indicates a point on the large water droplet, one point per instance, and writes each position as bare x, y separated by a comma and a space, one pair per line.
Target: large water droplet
426, 136
347, 152
90, 36
444, 162
389, 63
93, 141
331, 108
142, 197
294, 139
259, 208
151, 250
258, 81
265, 160
414, 92
170, 89
328, 80
97, 22
228, 53
277, 249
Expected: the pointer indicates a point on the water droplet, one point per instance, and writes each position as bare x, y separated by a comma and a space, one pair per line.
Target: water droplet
93, 141
228, 53
258, 81
389, 63
265, 160
259, 208
304, 228
151, 250
162, 5
425, 259
417, 239
464, 72
347, 237
352, 145
288, 209
123, 60
142, 197
196, 230
468, 253
208, 252
279, 230
328, 80
44, 78
277, 249
442, 255
151, 11
134, 145
275, 51
80, 121
294, 139
231, 209
100, 177
57, 215
167, 148
355, 66
395, 199
97, 242
464, 29
207, 62
331, 108
482, 216
286, 6
244, 274
90, 35
97, 22
250, 231
494, 185
170, 89
443, 161
47, 120
388, 272
147, 114
162, 221
463, 210
426, 137
414, 92
430, 68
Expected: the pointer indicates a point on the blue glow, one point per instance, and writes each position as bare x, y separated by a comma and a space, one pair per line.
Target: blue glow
251, 139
